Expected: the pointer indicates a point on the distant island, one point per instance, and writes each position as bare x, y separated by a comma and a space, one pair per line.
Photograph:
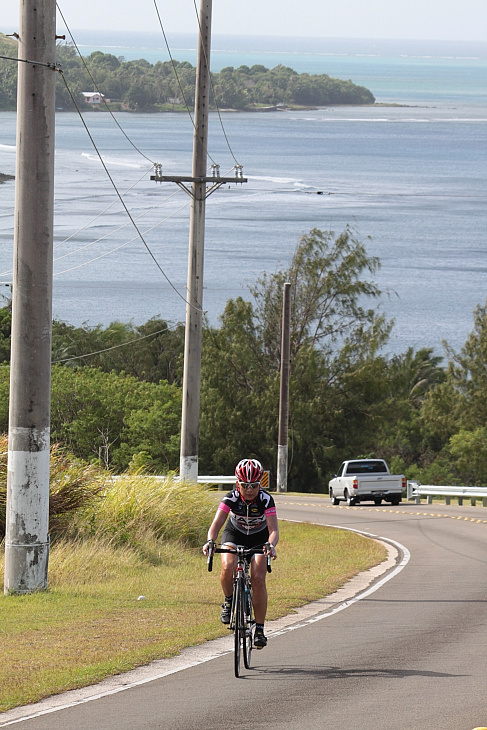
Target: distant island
140, 86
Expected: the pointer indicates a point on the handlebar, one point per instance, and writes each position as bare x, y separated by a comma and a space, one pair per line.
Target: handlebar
247, 552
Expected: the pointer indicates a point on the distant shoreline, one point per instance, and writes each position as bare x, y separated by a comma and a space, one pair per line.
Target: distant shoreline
4, 177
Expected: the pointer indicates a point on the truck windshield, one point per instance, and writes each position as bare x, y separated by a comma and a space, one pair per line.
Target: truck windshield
366, 467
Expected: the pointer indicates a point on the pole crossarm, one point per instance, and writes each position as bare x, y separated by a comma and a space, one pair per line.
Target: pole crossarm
182, 181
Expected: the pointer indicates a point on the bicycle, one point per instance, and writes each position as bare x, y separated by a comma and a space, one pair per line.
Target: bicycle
242, 618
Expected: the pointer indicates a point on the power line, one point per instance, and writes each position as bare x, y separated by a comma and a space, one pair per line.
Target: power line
98, 90
34, 63
80, 230
102, 238
177, 77
114, 347
173, 63
139, 233
213, 89
117, 248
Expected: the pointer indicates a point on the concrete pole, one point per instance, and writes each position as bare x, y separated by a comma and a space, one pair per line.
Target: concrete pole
282, 448
27, 538
188, 463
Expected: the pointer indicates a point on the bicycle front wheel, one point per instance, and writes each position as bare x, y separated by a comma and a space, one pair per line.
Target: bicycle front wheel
238, 623
248, 628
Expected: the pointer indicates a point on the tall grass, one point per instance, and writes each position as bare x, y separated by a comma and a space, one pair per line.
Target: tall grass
74, 485
135, 507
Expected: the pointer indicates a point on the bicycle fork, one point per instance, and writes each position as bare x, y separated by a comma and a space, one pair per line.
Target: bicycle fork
239, 578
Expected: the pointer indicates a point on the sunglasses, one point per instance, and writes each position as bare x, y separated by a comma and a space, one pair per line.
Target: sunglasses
249, 485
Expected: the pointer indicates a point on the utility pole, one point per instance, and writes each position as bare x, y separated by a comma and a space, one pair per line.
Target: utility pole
27, 518
282, 448
188, 462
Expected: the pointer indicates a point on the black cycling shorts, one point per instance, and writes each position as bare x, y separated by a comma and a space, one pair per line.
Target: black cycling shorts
232, 535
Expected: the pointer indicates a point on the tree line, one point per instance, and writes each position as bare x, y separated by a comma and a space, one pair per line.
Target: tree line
141, 86
426, 417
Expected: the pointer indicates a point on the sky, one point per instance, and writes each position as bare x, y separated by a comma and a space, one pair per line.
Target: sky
462, 20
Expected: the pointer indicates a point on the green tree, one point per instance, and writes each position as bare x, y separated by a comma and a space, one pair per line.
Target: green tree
468, 450
454, 414
461, 401
329, 288
333, 383
8, 74
152, 351
139, 85
108, 417
4, 397
5, 333
468, 372
408, 379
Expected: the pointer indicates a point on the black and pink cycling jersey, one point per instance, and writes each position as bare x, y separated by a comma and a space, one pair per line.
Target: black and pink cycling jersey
248, 517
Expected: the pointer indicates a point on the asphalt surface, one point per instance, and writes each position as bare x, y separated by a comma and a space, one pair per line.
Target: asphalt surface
403, 650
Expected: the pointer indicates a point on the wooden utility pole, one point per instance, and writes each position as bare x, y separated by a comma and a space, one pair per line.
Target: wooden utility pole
27, 517
188, 461
282, 448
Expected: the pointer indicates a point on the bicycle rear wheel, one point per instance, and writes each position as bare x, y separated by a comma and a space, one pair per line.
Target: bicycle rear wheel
238, 624
248, 628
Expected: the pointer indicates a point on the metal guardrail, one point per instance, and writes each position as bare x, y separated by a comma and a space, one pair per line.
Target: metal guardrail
221, 480
216, 480
415, 491
201, 479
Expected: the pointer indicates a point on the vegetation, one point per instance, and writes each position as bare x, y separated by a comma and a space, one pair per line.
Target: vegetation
141, 86
121, 407
334, 343
90, 625
127, 578
8, 74
155, 350
74, 486
111, 419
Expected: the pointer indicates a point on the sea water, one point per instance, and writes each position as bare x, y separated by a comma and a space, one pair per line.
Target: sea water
411, 180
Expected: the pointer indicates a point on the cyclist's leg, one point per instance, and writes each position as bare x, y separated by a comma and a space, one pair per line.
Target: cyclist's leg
227, 572
226, 575
229, 540
258, 574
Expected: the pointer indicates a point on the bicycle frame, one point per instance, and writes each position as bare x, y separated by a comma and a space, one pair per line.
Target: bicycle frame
242, 621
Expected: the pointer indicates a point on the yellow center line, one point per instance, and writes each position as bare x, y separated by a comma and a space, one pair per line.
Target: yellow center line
383, 510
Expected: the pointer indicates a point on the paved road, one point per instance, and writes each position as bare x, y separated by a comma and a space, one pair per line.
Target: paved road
411, 655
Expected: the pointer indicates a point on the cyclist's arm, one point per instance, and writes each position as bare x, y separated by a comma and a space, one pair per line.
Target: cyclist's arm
271, 518
217, 524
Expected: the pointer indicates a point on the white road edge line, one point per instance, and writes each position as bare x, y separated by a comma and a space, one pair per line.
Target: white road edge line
406, 556
221, 644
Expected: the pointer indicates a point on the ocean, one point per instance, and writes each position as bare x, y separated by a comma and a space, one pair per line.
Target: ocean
409, 175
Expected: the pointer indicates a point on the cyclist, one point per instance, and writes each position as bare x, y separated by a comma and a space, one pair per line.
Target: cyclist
252, 522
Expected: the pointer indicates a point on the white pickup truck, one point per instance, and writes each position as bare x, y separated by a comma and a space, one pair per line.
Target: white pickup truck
364, 480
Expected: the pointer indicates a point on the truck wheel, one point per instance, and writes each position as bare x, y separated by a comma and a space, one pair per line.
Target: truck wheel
348, 499
334, 500
377, 501
396, 500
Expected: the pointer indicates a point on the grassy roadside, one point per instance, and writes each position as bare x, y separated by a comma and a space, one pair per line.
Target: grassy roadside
90, 623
